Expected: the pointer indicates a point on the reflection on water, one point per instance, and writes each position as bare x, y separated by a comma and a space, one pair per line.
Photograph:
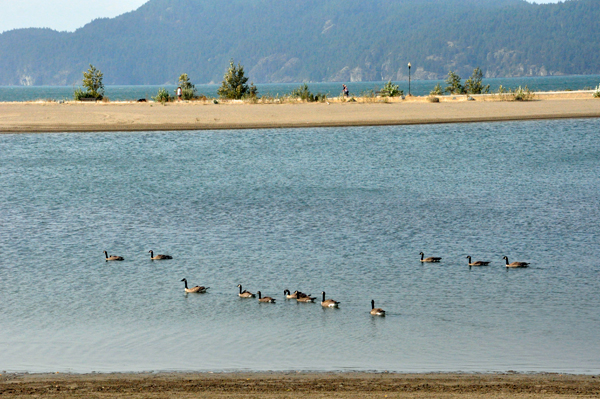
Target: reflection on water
344, 210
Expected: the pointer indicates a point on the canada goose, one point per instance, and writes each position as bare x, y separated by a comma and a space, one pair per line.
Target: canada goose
515, 264
376, 311
245, 294
306, 299
266, 299
431, 259
290, 296
297, 294
159, 256
196, 289
329, 303
112, 257
477, 263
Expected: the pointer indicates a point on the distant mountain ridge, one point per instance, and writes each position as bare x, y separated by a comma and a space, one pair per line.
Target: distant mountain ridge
312, 40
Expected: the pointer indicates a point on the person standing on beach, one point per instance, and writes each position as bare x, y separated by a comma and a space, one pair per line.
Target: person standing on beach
179, 93
345, 90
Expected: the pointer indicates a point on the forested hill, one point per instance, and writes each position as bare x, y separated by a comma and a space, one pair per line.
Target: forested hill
312, 40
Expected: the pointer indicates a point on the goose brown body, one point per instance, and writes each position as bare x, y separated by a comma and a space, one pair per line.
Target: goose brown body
159, 256
431, 259
478, 262
266, 299
306, 299
515, 264
376, 311
245, 294
329, 303
197, 289
112, 257
295, 295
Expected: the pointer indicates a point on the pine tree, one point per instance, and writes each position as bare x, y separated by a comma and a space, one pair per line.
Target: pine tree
92, 81
235, 85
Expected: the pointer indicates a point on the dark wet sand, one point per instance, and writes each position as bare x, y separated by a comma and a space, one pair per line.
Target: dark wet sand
298, 385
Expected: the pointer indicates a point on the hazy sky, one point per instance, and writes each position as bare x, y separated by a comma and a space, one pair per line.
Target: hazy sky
70, 14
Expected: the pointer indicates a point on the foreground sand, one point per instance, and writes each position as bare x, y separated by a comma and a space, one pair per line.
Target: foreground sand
79, 117
299, 385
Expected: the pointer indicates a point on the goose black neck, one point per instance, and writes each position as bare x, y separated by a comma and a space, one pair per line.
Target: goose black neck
185, 282
259, 295
105, 254
323, 296
240, 288
372, 304
286, 292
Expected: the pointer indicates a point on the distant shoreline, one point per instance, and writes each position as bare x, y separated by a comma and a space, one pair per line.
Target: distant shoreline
40, 116
299, 385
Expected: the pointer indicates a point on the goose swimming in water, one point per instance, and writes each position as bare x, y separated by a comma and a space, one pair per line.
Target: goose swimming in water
245, 294
159, 256
376, 311
112, 257
329, 303
515, 264
431, 259
266, 299
477, 263
196, 289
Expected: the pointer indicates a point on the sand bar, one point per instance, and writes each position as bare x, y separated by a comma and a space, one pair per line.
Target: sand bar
298, 385
89, 117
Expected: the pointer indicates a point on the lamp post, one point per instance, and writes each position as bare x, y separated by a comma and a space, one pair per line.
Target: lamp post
409, 79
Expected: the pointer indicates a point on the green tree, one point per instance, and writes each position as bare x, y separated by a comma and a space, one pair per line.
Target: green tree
391, 90
188, 90
454, 84
437, 90
235, 84
474, 85
92, 81
184, 82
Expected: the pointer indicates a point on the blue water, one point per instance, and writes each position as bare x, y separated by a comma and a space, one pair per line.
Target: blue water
418, 87
344, 210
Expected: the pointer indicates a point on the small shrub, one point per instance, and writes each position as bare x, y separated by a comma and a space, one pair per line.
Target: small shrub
302, 93
597, 92
162, 96
391, 90
79, 94
437, 90
433, 99
188, 94
522, 94
368, 96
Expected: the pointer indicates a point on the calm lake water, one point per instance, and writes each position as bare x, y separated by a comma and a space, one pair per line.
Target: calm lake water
418, 87
344, 210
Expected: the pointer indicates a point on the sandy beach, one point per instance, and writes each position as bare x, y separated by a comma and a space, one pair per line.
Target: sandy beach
129, 116
298, 385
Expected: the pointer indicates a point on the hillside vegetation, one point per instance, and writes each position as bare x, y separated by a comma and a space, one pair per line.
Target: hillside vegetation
312, 40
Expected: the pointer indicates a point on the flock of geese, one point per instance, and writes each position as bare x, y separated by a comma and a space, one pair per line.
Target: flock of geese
433, 259
306, 298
